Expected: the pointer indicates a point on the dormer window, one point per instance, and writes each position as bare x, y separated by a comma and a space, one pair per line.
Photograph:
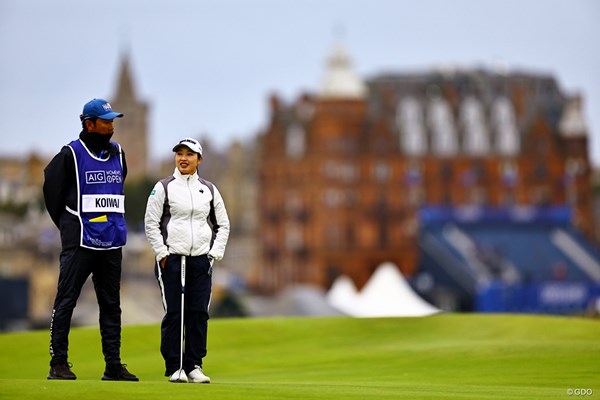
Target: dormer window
295, 141
476, 137
504, 123
443, 135
409, 117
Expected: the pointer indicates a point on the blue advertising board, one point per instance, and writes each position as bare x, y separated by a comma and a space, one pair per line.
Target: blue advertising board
552, 297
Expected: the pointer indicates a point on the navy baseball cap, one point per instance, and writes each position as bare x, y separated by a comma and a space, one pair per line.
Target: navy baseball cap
98, 108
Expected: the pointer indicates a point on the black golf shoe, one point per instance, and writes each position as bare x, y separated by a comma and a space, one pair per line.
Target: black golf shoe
118, 372
61, 370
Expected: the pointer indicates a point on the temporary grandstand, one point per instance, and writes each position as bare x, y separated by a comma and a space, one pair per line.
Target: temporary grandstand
509, 259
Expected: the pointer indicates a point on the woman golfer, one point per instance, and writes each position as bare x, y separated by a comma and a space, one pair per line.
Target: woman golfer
187, 226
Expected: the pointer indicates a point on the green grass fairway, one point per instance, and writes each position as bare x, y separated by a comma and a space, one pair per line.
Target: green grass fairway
449, 356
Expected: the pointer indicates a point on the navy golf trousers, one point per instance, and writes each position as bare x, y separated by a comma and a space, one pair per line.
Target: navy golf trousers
76, 265
198, 284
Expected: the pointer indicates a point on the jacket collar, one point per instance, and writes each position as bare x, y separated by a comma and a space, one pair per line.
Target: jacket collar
178, 175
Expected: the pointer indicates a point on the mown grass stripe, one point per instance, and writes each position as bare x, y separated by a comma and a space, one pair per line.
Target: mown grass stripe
449, 356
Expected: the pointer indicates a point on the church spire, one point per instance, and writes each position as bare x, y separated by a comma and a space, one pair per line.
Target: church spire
133, 130
125, 87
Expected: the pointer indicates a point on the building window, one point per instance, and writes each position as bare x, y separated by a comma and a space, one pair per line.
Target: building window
333, 235
476, 136
508, 199
447, 199
469, 177
415, 197
540, 196
413, 175
341, 171
294, 239
509, 174
575, 166
295, 144
441, 123
294, 206
540, 172
342, 145
477, 196
446, 172
409, 118
381, 171
505, 127
333, 198
479, 171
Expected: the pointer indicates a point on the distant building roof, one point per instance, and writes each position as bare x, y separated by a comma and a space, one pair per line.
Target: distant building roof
572, 123
341, 81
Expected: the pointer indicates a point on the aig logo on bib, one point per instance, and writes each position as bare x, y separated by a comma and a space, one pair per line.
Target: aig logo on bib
92, 177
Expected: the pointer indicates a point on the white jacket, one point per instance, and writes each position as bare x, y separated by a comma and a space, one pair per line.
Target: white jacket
181, 224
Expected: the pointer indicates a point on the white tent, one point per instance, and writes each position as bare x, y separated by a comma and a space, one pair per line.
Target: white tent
386, 294
343, 295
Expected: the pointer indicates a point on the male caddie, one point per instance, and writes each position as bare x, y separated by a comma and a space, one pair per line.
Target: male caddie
83, 191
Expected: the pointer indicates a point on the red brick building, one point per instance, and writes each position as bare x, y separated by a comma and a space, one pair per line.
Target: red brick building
345, 171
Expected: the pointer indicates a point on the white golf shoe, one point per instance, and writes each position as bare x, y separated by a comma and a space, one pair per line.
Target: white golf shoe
179, 376
197, 376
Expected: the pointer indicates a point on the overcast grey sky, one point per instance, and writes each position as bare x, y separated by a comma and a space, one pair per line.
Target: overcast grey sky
208, 67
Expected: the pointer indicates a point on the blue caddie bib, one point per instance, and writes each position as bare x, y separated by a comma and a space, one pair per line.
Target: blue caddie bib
100, 198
